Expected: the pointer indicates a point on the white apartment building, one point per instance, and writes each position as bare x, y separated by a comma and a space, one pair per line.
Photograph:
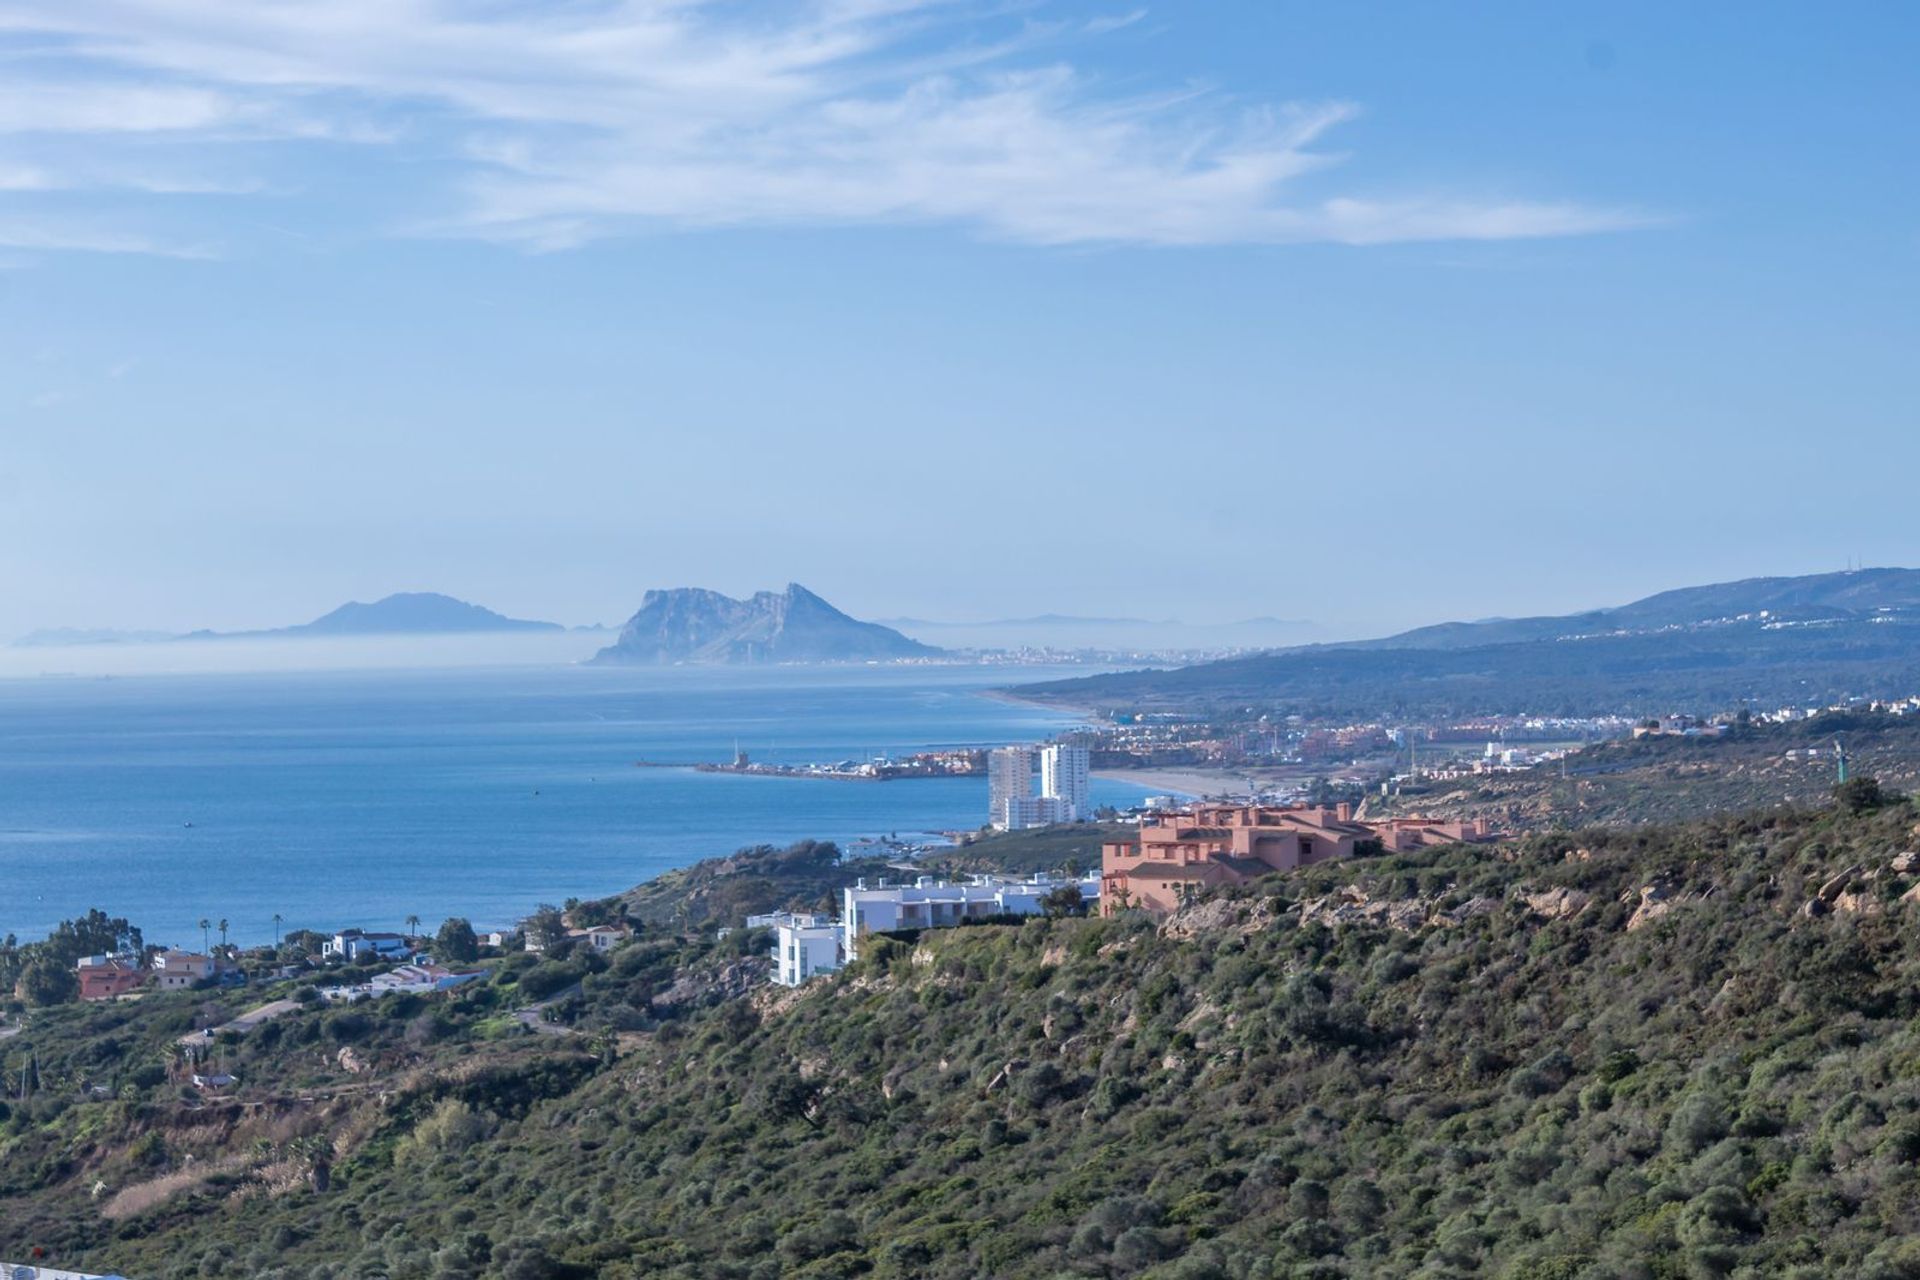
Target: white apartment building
928, 903
1066, 776
1009, 779
1036, 811
804, 945
1065, 786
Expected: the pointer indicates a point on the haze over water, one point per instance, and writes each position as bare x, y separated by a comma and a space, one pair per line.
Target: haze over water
360, 798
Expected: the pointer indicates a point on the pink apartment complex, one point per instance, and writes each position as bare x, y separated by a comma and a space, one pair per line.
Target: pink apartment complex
1179, 854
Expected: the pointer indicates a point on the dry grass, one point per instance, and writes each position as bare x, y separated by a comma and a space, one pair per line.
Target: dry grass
143, 1196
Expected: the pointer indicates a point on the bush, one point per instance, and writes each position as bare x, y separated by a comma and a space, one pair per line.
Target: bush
546, 980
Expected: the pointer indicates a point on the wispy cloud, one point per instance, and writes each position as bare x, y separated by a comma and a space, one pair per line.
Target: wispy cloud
556, 124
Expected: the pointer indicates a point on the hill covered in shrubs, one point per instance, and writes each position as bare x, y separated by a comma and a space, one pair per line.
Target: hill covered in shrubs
1672, 1052
1672, 778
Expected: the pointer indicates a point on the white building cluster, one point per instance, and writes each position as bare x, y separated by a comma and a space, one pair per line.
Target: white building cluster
414, 979
1065, 786
808, 944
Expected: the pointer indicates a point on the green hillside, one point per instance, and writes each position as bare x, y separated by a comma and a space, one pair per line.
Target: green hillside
1665, 1052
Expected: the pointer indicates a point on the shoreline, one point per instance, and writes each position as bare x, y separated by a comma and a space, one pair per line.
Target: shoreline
1189, 782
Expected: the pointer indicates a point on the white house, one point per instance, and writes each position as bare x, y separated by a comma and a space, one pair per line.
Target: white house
602, 937
351, 944
178, 970
804, 945
928, 903
419, 979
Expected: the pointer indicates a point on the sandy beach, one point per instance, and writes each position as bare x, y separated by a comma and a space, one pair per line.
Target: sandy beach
1189, 783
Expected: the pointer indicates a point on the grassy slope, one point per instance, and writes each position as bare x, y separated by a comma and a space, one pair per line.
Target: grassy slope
807, 876
1041, 849
1732, 1088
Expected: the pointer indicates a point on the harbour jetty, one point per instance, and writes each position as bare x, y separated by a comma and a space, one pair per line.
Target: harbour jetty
961, 763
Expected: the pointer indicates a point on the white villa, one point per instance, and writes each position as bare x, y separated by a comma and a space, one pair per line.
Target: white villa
928, 903
803, 945
419, 979
350, 944
808, 944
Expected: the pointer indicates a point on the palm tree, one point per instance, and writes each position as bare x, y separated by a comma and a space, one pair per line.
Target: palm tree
205, 925
278, 920
223, 935
413, 926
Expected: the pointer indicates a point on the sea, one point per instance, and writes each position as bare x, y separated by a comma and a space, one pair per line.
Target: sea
364, 797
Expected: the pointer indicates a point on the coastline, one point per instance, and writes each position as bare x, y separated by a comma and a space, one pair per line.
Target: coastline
1190, 783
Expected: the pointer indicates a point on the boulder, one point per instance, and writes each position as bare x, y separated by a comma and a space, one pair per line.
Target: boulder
1655, 901
1558, 903
1837, 885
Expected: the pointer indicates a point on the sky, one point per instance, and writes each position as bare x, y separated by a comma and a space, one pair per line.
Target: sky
1371, 315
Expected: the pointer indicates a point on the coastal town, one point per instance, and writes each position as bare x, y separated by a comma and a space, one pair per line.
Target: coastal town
1159, 866
1180, 847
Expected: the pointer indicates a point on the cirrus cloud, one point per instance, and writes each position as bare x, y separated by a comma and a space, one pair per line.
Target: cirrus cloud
554, 124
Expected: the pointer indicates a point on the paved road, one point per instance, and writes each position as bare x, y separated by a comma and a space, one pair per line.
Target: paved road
530, 1017
245, 1022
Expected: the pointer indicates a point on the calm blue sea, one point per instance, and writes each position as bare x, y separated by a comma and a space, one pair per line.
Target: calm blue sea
360, 798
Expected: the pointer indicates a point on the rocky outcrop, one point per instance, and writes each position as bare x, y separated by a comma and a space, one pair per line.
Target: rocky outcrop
1216, 915
1655, 901
1557, 903
1659, 899
698, 988
688, 624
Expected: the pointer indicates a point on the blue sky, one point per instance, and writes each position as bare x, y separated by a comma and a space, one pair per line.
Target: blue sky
1369, 314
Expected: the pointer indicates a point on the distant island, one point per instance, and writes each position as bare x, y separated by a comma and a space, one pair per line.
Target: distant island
692, 625
405, 613
409, 613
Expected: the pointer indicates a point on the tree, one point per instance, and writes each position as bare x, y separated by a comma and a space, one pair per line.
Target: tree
456, 941
278, 920
205, 925
92, 934
546, 927
223, 934
1859, 795
1067, 900
413, 926
47, 982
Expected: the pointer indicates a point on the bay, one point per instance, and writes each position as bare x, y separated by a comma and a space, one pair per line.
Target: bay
364, 797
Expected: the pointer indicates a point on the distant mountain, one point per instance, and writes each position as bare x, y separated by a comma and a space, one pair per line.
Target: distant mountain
407, 613
688, 624
412, 613
1861, 593
1772, 641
